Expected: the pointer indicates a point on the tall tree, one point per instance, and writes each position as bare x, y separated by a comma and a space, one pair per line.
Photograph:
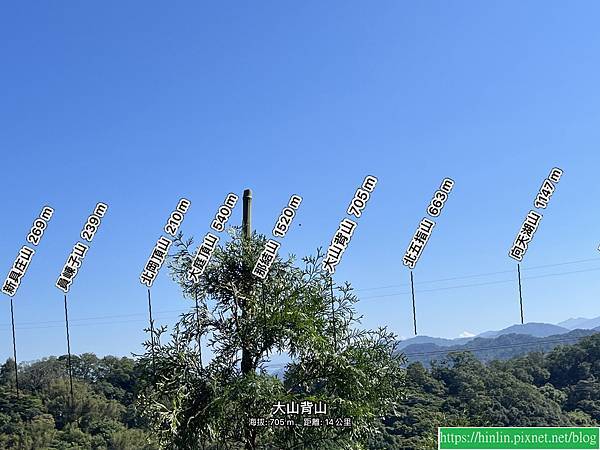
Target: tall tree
297, 310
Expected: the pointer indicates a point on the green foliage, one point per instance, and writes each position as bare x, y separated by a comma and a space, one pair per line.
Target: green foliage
43, 416
556, 389
176, 401
297, 310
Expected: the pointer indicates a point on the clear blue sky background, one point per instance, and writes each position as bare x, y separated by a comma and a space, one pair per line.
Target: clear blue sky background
138, 104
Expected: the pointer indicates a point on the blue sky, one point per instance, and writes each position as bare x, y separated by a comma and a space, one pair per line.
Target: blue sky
139, 104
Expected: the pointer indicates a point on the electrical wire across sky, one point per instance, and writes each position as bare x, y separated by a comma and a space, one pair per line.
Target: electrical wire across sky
105, 320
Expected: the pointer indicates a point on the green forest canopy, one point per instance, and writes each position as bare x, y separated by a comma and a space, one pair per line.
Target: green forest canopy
560, 388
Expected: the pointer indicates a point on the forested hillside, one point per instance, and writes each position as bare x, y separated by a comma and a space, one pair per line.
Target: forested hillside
102, 416
561, 387
502, 347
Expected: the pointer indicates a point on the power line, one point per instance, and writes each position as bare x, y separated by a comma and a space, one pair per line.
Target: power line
478, 275
486, 283
92, 323
115, 316
460, 286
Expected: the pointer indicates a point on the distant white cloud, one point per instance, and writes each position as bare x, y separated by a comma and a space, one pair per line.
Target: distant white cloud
466, 334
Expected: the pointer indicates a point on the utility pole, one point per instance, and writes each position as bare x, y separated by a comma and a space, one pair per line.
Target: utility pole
247, 358
247, 363
247, 214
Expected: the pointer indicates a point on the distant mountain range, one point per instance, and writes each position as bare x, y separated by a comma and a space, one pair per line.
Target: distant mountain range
503, 344
507, 343
581, 323
531, 329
